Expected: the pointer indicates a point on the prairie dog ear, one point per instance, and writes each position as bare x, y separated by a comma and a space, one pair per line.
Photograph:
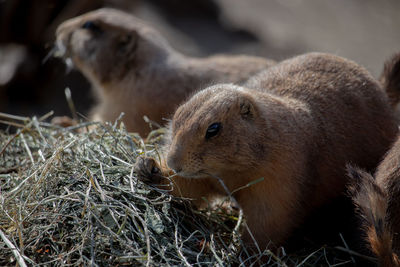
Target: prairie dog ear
247, 107
127, 42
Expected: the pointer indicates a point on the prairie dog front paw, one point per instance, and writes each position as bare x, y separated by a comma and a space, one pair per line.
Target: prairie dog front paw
148, 170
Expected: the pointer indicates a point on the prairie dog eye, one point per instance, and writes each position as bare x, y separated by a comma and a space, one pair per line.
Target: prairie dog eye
91, 26
213, 130
124, 40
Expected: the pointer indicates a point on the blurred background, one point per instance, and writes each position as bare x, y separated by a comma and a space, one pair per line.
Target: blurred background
366, 31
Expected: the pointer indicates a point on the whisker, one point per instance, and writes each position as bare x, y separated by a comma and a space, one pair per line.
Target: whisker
51, 53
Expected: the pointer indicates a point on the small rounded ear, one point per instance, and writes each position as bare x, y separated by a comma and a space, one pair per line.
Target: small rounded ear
127, 42
247, 107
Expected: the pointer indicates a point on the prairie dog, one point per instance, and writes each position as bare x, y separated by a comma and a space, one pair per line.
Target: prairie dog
297, 125
378, 199
390, 79
134, 70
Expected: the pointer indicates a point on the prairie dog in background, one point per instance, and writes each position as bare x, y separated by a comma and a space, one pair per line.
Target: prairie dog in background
134, 70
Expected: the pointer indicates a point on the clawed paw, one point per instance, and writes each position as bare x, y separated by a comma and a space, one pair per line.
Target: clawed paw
148, 170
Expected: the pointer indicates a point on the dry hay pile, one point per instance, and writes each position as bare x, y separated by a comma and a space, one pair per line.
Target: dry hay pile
71, 198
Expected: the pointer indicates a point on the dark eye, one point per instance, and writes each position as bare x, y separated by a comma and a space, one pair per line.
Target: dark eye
213, 130
126, 39
91, 26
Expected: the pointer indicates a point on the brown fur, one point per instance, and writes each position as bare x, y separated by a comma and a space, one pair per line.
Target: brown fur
296, 124
388, 178
378, 201
390, 79
134, 70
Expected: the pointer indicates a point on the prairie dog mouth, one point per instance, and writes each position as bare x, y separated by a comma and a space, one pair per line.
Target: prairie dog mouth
192, 175
60, 51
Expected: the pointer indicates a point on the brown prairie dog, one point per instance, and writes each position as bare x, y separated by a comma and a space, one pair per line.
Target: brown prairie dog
378, 199
134, 70
296, 125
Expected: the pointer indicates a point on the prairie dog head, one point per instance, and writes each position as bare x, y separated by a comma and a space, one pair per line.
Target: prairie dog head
106, 44
215, 133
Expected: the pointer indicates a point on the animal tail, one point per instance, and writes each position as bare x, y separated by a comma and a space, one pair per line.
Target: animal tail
390, 79
371, 201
